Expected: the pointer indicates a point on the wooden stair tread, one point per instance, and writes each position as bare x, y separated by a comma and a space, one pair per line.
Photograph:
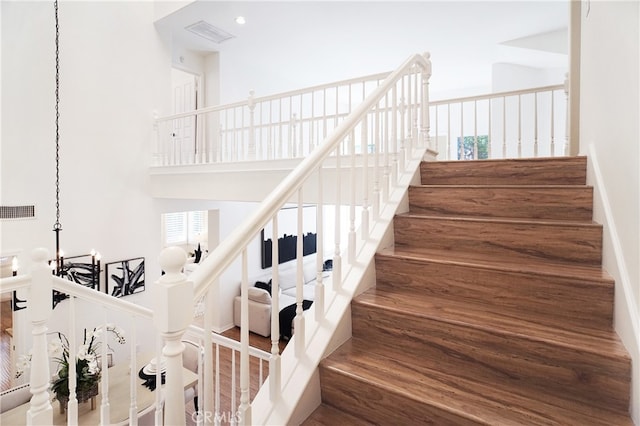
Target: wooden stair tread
505, 186
478, 260
517, 220
326, 415
604, 343
478, 402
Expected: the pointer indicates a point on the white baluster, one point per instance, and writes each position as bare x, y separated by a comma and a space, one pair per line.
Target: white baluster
553, 142
475, 130
519, 127
567, 125
217, 416
172, 290
461, 142
319, 290
504, 127
364, 222
72, 404
207, 402
535, 125
425, 126
245, 409
489, 133
351, 254
251, 103
376, 165
105, 415
394, 135
402, 157
337, 259
293, 136
133, 373
385, 150
448, 131
39, 309
299, 319
274, 360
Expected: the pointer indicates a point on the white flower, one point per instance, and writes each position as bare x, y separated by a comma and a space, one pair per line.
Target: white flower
23, 363
55, 347
83, 352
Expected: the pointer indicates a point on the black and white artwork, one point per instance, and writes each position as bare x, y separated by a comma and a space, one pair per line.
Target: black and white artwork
83, 270
125, 277
287, 235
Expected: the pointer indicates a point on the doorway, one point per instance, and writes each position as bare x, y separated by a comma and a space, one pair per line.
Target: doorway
184, 98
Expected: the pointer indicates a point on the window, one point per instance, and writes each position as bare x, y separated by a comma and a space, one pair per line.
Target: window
466, 150
184, 228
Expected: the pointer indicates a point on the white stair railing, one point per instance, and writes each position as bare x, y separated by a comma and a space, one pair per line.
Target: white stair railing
286, 125
135, 320
515, 124
362, 157
362, 152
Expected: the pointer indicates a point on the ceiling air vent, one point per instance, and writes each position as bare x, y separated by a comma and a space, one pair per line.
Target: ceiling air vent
17, 212
208, 31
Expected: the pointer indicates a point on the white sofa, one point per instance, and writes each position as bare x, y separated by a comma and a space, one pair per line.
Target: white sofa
260, 299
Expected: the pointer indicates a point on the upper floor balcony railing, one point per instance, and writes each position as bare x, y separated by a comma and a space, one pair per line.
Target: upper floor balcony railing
514, 124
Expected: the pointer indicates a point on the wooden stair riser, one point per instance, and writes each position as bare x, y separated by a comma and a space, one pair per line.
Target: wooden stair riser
560, 203
540, 171
534, 297
578, 243
489, 355
373, 403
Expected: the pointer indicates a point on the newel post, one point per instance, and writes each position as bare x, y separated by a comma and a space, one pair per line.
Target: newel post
39, 308
173, 312
424, 107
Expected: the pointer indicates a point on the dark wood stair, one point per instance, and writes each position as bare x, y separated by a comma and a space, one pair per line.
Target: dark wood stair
491, 309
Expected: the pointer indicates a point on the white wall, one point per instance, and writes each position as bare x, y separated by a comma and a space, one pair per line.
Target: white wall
609, 131
114, 71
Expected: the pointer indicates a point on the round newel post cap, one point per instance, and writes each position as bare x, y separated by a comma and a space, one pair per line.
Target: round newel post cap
172, 260
40, 255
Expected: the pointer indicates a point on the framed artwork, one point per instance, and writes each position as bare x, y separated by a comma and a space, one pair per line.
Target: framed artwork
83, 270
124, 277
287, 235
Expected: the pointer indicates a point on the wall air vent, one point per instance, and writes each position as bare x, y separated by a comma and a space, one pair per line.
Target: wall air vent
17, 212
208, 31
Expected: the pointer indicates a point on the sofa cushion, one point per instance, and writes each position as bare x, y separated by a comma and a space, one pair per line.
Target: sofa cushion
287, 278
309, 272
259, 295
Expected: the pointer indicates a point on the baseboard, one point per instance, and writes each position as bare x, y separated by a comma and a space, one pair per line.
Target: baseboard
626, 311
222, 328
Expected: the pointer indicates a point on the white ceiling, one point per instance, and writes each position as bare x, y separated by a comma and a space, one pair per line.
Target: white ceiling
347, 39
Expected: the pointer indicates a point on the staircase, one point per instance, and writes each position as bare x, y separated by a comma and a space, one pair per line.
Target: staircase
491, 309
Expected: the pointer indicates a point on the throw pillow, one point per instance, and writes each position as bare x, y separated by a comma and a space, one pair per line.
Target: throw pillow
264, 286
259, 295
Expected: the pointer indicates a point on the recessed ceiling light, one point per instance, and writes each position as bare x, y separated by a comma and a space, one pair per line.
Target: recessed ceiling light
240, 20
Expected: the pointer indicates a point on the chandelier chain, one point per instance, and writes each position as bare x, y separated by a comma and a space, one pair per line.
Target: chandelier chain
57, 225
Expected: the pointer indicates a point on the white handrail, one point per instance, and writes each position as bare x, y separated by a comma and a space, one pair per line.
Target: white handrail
216, 108
229, 249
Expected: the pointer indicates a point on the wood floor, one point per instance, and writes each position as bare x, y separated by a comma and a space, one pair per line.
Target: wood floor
491, 309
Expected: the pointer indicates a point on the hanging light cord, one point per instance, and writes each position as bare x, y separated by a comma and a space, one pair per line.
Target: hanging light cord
57, 226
